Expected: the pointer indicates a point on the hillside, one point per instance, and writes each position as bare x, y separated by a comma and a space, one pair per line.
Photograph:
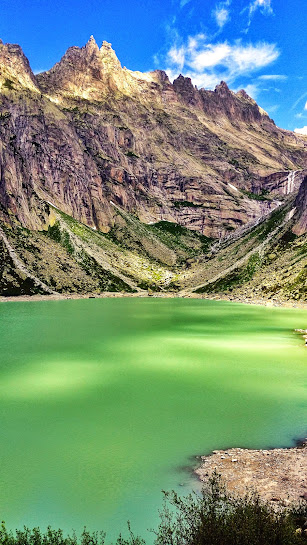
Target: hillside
113, 180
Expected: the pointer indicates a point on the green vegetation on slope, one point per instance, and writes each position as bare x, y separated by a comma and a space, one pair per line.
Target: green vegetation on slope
12, 281
180, 238
235, 278
266, 260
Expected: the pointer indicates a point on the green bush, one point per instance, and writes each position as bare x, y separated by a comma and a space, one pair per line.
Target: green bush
132, 154
8, 84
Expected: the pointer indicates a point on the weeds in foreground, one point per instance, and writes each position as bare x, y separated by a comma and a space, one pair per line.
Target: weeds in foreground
212, 518
217, 518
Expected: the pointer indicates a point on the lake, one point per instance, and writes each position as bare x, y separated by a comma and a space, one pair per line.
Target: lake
105, 402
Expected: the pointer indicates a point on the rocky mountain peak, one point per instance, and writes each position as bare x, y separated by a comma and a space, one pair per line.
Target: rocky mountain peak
15, 71
183, 82
184, 87
161, 77
243, 94
109, 57
83, 71
91, 43
91, 48
222, 89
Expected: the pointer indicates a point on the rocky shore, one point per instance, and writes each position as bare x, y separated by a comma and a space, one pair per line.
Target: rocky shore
164, 295
278, 475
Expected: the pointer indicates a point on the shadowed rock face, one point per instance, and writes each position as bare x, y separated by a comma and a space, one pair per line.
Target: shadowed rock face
89, 133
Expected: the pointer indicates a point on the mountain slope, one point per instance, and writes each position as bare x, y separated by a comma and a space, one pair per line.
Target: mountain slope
269, 261
113, 180
88, 132
265, 259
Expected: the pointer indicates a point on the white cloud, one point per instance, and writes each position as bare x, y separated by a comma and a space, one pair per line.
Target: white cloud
253, 57
252, 90
177, 56
263, 5
303, 130
184, 2
298, 101
273, 109
209, 56
278, 77
305, 107
208, 63
221, 14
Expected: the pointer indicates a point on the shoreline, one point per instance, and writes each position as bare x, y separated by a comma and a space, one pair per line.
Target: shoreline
156, 295
278, 475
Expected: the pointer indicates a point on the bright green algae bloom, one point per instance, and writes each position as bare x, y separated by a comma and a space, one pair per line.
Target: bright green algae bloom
103, 402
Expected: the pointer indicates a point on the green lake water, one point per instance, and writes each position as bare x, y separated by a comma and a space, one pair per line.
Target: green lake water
104, 403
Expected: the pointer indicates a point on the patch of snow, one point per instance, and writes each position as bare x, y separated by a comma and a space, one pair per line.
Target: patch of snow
233, 187
291, 213
51, 204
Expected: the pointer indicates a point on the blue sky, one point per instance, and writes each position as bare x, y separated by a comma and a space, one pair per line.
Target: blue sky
259, 45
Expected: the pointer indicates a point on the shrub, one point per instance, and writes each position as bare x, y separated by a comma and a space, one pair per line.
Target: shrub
217, 518
212, 518
8, 84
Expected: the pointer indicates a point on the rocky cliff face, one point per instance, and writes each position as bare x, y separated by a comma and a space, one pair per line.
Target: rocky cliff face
300, 226
88, 135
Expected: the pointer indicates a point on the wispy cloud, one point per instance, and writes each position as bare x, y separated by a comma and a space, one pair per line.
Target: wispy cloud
298, 101
252, 90
273, 109
207, 63
221, 13
268, 77
303, 130
184, 3
300, 115
263, 5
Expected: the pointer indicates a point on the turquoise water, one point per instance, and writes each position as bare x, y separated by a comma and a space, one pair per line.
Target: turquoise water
104, 402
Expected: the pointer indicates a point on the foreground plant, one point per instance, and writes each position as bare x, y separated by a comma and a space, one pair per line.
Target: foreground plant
218, 518
213, 518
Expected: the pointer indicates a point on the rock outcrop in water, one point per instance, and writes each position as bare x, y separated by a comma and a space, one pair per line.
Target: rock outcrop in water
130, 176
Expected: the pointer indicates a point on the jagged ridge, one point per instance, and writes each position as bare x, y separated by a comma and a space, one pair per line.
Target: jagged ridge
88, 132
157, 169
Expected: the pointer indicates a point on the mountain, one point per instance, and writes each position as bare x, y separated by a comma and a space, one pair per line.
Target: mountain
119, 180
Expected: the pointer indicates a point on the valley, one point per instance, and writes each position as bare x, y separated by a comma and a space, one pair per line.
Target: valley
118, 181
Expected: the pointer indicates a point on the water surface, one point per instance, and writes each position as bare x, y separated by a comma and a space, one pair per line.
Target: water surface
103, 402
